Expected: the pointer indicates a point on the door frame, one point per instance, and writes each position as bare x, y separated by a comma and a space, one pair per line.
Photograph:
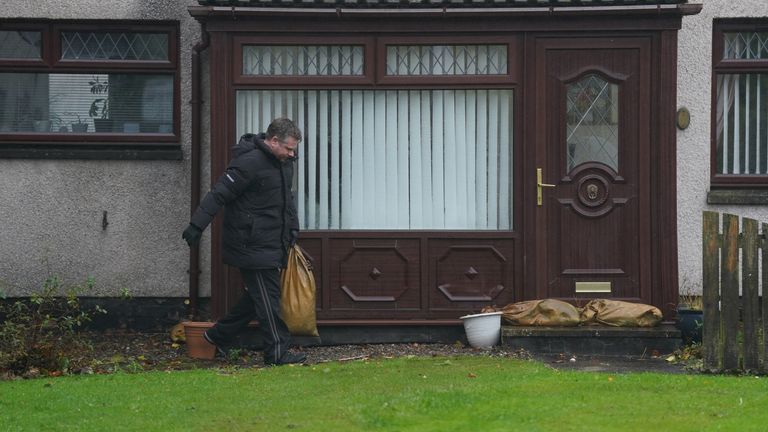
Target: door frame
661, 135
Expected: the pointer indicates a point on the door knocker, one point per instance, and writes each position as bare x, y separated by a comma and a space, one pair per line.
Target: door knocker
592, 191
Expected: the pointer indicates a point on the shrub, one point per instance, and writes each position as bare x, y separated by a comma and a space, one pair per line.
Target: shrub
41, 332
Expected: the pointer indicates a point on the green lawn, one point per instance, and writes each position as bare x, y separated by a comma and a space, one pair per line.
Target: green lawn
464, 394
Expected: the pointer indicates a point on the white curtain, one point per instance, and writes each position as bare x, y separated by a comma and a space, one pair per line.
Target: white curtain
742, 124
396, 159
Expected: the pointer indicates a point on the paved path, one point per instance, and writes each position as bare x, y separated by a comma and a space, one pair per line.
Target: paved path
612, 364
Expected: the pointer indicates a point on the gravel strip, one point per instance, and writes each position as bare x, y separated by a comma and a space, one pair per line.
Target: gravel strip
136, 352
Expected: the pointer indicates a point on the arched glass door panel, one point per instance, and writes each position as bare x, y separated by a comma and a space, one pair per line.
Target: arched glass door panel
592, 116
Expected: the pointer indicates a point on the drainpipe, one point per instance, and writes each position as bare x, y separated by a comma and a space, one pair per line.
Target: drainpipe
197, 104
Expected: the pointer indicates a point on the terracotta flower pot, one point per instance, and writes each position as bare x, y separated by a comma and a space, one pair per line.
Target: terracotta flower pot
197, 346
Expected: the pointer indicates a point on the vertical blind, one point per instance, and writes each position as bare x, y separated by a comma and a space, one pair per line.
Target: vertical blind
396, 159
742, 124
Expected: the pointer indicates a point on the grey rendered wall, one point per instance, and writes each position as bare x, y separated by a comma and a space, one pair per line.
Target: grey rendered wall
694, 92
51, 210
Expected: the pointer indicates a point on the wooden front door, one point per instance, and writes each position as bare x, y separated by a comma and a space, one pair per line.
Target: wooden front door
592, 169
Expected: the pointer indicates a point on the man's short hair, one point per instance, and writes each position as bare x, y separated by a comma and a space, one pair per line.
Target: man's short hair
283, 128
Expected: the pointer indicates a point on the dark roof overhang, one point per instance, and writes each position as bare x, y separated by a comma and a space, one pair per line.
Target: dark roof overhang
436, 8
451, 4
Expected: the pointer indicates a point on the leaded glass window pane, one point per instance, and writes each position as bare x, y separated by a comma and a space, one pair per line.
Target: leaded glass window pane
86, 103
446, 60
396, 159
745, 46
20, 44
742, 124
114, 46
592, 116
303, 60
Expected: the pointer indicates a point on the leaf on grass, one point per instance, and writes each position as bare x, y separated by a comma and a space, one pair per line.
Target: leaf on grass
471, 375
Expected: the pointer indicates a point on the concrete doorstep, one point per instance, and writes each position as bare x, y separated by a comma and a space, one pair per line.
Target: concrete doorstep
593, 340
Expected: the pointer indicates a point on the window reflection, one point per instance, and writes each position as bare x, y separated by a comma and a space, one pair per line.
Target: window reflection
86, 103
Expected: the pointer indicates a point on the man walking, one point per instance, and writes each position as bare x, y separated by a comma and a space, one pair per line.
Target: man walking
260, 224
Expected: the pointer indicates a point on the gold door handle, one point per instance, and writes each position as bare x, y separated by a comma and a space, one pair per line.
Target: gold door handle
540, 185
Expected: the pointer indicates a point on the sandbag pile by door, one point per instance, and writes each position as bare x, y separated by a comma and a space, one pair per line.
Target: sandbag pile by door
557, 313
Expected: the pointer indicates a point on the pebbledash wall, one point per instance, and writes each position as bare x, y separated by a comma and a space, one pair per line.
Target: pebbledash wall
51, 210
693, 144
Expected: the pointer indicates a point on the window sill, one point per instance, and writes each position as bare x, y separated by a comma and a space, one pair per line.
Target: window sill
91, 152
743, 196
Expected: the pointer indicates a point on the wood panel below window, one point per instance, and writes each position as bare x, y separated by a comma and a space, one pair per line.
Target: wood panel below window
412, 276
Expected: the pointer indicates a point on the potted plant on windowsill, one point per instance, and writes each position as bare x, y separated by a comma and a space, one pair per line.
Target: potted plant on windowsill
99, 110
53, 124
78, 126
42, 125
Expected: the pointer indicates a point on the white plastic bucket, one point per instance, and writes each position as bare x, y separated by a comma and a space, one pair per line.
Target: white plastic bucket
483, 330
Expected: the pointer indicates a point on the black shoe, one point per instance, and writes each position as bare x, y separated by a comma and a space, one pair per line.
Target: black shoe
219, 348
288, 358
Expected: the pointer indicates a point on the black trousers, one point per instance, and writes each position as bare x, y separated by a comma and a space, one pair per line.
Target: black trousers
262, 302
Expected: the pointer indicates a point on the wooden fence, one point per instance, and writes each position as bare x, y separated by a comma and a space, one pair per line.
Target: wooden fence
734, 341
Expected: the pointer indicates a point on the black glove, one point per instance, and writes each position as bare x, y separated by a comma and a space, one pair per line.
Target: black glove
192, 235
294, 237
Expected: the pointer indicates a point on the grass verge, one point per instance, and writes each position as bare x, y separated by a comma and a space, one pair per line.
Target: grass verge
407, 394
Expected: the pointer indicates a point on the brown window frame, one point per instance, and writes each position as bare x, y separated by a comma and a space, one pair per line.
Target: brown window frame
288, 81
44, 48
13, 144
510, 78
374, 78
374, 67
720, 66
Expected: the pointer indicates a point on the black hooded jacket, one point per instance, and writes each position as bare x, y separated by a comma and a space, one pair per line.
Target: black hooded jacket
260, 221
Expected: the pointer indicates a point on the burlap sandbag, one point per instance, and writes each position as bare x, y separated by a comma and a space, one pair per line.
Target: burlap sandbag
297, 305
549, 312
620, 314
